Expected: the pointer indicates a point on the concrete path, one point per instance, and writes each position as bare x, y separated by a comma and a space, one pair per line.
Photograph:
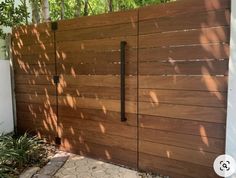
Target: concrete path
81, 167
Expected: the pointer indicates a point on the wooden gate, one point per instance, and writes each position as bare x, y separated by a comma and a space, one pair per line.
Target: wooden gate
88, 58
175, 83
34, 68
183, 64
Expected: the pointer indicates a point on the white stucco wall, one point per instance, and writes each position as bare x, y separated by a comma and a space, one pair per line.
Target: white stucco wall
6, 109
231, 112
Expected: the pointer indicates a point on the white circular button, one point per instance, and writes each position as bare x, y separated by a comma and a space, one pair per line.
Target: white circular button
224, 166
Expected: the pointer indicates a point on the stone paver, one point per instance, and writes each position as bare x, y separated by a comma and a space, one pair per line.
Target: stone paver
53, 166
29, 172
81, 167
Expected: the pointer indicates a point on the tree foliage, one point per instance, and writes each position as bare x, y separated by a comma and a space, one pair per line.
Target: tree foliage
63, 9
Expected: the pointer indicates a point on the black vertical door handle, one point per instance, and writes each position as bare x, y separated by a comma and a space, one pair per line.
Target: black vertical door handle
122, 80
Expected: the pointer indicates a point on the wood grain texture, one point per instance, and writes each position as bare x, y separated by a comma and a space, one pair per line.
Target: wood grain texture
187, 127
129, 17
179, 169
98, 92
177, 153
185, 53
98, 32
207, 114
192, 20
181, 7
201, 83
97, 115
183, 97
184, 68
199, 143
97, 151
189, 37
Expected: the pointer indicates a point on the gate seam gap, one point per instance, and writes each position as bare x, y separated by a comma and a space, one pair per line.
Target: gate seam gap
138, 90
56, 73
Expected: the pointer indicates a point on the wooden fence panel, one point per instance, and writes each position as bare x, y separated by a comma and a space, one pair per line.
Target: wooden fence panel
34, 68
88, 63
183, 66
176, 85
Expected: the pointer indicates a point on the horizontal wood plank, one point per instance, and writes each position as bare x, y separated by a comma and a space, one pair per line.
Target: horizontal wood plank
207, 114
179, 169
186, 21
35, 89
177, 153
199, 143
101, 152
96, 69
98, 92
34, 79
96, 81
39, 59
189, 37
95, 57
129, 29
36, 69
189, 127
93, 103
96, 115
196, 98
32, 29
97, 126
181, 7
185, 53
38, 49
99, 20
96, 44
184, 68
99, 138
201, 83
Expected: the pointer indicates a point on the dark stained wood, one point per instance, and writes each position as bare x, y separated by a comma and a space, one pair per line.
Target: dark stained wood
187, 127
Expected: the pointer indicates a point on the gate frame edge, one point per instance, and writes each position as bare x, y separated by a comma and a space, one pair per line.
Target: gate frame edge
230, 144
